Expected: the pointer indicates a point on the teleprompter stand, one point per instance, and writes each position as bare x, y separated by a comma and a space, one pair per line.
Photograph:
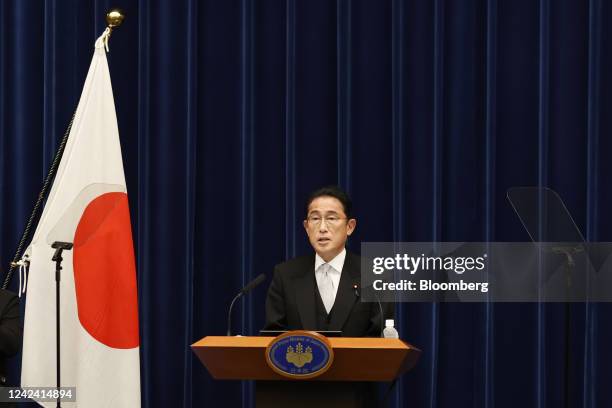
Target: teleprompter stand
550, 225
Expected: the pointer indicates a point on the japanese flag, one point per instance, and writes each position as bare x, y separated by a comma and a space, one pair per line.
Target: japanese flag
87, 206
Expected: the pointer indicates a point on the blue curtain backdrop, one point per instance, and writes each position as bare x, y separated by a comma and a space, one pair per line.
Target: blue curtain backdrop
426, 111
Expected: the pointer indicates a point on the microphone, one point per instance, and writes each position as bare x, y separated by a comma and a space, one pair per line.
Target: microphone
249, 287
252, 284
60, 246
382, 317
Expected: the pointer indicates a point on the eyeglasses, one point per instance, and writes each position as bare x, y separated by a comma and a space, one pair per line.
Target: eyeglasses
331, 221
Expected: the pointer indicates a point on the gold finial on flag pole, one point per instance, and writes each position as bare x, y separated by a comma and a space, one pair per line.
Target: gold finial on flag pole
114, 18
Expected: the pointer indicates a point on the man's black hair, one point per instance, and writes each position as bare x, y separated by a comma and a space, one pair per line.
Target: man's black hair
335, 192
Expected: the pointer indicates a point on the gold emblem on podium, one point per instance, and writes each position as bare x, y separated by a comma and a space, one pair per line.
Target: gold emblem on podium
298, 356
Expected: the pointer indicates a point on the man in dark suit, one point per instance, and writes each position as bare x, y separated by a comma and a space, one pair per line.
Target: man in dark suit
321, 291
10, 332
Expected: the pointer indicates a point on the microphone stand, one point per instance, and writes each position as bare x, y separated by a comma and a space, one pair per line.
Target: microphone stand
382, 317
568, 266
57, 258
249, 287
229, 315
382, 328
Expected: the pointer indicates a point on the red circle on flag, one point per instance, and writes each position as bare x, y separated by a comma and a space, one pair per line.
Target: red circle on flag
105, 272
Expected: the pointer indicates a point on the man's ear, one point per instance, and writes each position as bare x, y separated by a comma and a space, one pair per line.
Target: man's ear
350, 226
305, 224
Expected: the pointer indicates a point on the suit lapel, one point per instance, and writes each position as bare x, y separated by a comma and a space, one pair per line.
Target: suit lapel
345, 298
305, 296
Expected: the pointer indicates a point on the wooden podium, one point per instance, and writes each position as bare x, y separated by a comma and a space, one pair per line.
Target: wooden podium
357, 363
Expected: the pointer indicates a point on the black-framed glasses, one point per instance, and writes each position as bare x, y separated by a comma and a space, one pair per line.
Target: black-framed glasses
330, 220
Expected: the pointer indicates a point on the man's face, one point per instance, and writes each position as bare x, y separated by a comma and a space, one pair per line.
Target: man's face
327, 226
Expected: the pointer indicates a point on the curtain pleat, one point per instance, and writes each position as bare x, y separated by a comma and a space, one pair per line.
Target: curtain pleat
488, 396
437, 196
398, 146
589, 378
247, 140
343, 95
291, 210
191, 165
542, 381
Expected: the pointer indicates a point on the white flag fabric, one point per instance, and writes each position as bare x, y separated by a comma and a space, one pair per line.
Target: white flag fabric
87, 206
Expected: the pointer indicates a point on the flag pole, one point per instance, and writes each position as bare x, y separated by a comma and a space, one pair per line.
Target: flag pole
114, 18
